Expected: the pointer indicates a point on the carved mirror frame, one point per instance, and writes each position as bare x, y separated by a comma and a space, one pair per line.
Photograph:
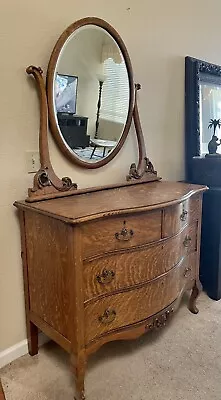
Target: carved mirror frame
47, 184
193, 70
50, 89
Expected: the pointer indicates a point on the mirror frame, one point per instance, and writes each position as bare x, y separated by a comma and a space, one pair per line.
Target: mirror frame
50, 89
193, 68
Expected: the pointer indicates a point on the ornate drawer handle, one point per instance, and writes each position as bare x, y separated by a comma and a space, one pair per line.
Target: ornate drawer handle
183, 216
106, 276
160, 321
187, 272
107, 317
187, 241
125, 234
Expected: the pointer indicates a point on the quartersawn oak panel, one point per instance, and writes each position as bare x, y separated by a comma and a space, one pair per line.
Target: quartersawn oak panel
137, 304
134, 267
172, 220
99, 237
136, 198
47, 256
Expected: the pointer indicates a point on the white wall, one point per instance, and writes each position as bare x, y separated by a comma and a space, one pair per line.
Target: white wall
158, 36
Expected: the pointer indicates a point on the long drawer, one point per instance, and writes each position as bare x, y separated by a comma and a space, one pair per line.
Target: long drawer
111, 273
122, 309
120, 232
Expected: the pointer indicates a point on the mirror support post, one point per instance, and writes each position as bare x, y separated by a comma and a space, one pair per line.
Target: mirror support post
46, 183
144, 171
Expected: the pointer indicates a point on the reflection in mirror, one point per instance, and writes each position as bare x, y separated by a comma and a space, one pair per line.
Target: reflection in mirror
210, 108
91, 93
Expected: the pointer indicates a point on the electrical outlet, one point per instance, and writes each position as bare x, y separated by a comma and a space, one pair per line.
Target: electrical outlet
32, 161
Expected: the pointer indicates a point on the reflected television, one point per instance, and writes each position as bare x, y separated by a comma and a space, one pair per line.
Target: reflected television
66, 93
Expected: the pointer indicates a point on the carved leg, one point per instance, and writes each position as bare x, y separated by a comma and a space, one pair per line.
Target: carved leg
32, 333
197, 288
78, 365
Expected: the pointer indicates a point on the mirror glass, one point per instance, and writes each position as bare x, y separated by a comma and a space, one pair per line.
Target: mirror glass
210, 109
91, 93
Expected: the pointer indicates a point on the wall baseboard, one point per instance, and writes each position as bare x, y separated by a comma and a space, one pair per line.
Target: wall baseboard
19, 350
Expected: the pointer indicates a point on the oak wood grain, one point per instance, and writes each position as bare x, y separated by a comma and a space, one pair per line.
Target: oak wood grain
130, 332
31, 328
178, 216
136, 266
136, 198
51, 332
47, 256
100, 237
76, 302
134, 305
67, 243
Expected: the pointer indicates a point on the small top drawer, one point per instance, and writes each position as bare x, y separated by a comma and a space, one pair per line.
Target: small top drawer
176, 217
111, 234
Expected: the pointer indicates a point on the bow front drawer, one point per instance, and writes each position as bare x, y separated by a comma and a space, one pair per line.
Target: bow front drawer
111, 234
177, 216
118, 271
119, 310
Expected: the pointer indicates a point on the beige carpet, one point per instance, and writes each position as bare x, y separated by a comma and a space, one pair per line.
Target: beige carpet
181, 362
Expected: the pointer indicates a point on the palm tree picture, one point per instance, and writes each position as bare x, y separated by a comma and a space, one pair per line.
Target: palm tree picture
214, 123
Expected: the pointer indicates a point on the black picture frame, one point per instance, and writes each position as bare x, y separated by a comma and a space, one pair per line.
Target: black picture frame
195, 71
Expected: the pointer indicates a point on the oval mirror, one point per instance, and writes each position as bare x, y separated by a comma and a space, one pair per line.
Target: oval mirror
90, 92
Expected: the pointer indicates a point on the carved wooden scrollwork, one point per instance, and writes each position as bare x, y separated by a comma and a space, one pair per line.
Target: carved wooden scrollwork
144, 170
46, 183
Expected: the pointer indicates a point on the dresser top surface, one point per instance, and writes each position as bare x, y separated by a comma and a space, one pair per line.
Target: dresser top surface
88, 206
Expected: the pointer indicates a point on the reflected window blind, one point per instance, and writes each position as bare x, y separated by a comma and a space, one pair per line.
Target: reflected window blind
115, 93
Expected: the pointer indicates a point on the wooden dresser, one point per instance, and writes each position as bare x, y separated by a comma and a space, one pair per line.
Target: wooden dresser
2, 396
108, 265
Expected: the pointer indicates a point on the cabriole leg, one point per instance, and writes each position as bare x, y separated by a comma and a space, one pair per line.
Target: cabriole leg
197, 288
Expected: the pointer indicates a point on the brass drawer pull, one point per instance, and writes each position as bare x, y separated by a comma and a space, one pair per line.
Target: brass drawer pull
106, 276
183, 216
124, 234
107, 317
187, 241
161, 320
187, 272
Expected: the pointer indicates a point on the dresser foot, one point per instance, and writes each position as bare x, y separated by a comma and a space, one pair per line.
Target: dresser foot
78, 365
32, 333
197, 288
